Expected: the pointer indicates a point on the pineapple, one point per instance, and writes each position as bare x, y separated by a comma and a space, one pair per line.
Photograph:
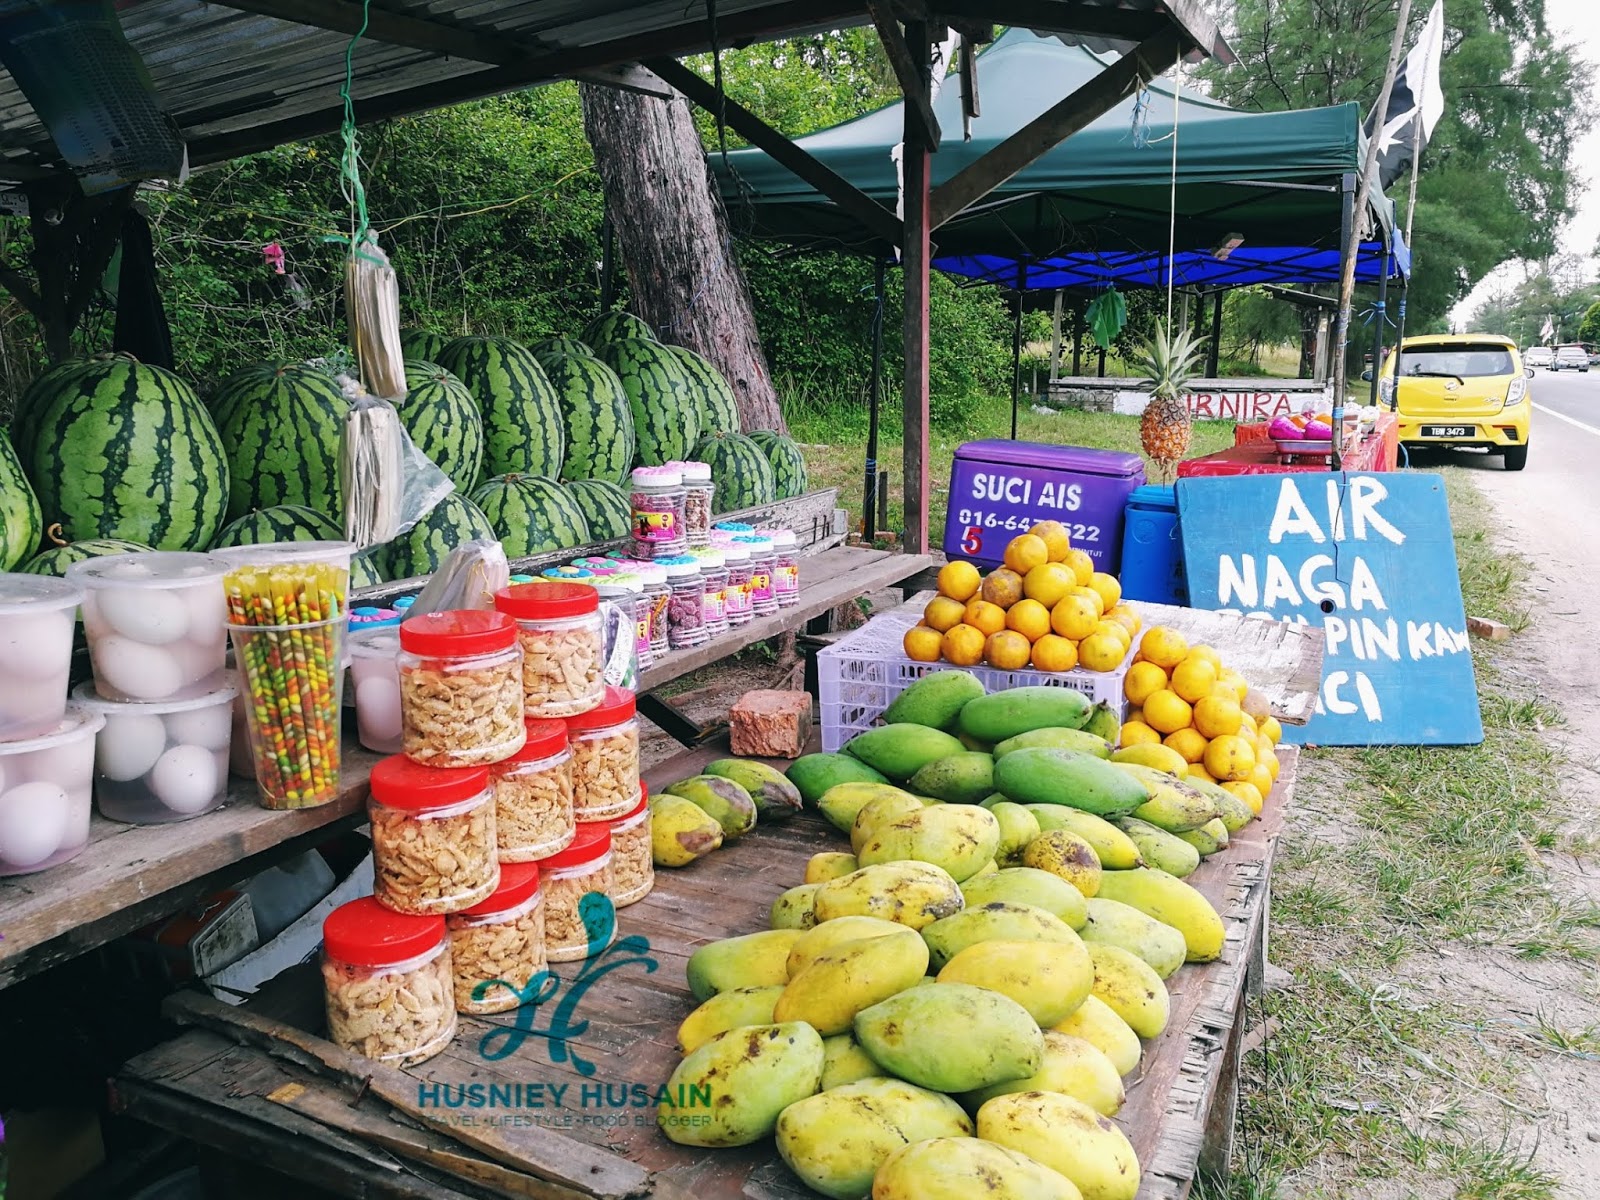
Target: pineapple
1170, 364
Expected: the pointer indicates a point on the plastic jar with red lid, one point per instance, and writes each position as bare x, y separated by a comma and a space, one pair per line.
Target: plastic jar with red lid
387, 983
533, 795
563, 645
433, 836
633, 868
460, 688
579, 916
497, 945
605, 758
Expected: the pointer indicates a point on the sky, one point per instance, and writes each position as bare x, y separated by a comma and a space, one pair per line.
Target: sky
1575, 19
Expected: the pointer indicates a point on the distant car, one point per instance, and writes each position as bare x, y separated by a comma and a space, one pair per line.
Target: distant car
1570, 358
1539, 356
1462, 391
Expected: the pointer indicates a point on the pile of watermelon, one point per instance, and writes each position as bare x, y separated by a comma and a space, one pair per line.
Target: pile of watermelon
107, 455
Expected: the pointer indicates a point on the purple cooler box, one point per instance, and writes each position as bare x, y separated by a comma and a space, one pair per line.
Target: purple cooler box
1000, 488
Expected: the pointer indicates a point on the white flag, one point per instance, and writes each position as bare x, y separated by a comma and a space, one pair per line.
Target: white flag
1415, 97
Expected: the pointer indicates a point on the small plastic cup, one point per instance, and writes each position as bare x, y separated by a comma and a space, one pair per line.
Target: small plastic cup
375, 680
45, 788
162, 761
36, 627
292, 677
255, 573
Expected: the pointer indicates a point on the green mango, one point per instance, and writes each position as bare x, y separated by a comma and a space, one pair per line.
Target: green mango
751, 1074
776, 799
1209, 839
959, 779
934, 700
814, 774
843, 802
725, 801
1056, 739
1160, 849
996, 921
1005, 714
900, 751
1042, 776
753, 960
951, 1037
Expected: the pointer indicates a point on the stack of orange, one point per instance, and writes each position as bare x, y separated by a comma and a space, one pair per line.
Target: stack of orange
1186, 700
1047, 607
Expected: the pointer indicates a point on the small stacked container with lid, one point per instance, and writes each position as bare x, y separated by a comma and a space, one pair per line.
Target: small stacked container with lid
563, 645
686, 624
461, 688
657, 595
633, 870
785, 566
497, 946
36, 627
627, 593
434, 846
763, 600
533, 795
736, 595
579, 915
163, 760
657, 502
699, 492
45, 788
605, 758
375, 680
387, 982
713, 588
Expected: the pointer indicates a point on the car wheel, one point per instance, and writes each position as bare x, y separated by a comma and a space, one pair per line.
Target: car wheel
1516, 457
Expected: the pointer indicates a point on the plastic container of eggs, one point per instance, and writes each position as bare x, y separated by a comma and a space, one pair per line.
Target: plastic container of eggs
37, 616
45, 788
165, 760
375, 680
156, 624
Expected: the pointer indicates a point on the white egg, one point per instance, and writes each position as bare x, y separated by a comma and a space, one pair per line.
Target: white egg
33, 820
136, 671
378, 708
146, 615
35, 647
129, 745
128, 568
185, 778
208, 727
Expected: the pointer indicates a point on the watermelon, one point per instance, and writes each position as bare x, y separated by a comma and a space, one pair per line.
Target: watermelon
366, 568
532, 514
25, 417
788, 464
280, 523
666, 417
605, 507
57, 559
559, 347
423, 345
124, 450
281, 423
596, 417
615, 326
739, 469
522, 428
719, 411
421, 549
442, 418
20, 526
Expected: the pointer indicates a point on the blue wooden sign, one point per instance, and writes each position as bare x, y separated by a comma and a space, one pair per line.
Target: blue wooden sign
1371, 559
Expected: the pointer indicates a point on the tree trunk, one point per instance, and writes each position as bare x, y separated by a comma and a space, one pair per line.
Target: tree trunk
673, 234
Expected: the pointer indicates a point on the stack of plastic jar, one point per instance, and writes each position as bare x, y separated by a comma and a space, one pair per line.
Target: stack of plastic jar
497, 946
533, 796
657, 505
736, 595
563, 648
633, 871
657, 593
579, 917
627, 593
785, 566
714, 589
388, 983
434, 846
686, 624
460, 688
699, 491
605, 758
763, 599
734, 527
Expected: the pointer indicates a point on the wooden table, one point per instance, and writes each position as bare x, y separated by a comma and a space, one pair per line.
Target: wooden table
207, 1086
1258, 456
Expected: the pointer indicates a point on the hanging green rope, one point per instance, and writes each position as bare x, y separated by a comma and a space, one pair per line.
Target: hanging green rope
350, 185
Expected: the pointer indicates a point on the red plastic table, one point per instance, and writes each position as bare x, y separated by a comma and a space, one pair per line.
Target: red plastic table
1379, 452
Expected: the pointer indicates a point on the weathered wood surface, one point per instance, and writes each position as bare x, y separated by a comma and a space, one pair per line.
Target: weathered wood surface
632, 1018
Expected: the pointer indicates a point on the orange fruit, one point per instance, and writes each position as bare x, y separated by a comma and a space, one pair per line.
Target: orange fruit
1247, 726
1190, 743
1134, 714
1194, 678
1101, 652
959, 580
1116, 631
1125, 616
1261, 777
1208, 653
943, 612
1197, 770
923, 643
963, 646
1073, 617
1248, 792
1029, 618
1272, 729
1093, 597
1142, 681
1167, 711
1263, 745
1164, 647
1002, 586
1216, 716
986, 618
1055, 653
1048, 582
1108, 589
1230, 676
1137, 733
1270, 761
1230, 758
1007, 650
1054, 536
1025, 552
1082, 566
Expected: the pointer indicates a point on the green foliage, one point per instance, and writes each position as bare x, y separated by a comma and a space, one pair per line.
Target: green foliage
1589, 327
1557, 293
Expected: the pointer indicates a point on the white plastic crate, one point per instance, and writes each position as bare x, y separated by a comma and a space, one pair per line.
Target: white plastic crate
860, 675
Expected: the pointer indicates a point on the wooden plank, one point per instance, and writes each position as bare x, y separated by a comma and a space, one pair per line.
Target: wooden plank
629, 77
908, 55
878, 220
915, 262
396, 29
1057, 123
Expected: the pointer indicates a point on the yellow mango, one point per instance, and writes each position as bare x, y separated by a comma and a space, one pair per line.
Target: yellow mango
1049, 979
911, 893
841, 803
946, 1168
1131, 989
829, 991
1111, 846
1027, 885
725, 1011
1067, 1136
754, 960
878, 812
1172, 902
734, 1086
1018, 827
792, 910
951, 1037
1096, 1024
1064, 853
957, 838
1072, 1066
823, 937
844, 1061
829, 864
1112, 923
996, 921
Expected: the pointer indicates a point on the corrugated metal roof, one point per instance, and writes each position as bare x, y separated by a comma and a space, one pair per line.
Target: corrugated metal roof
237, 80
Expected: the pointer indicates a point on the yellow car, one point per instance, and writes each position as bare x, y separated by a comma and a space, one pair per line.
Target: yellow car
1461, 390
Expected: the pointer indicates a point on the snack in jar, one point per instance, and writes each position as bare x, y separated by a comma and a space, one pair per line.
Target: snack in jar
45, 788
497, 945
433, 836
763, 600
533, 795
580, 919
605, 758
657, 504
563, 646
627, 593
37, 616
686, 620
736, 601
713, 589
387, 983
699, 491
785, 566
461, 688
165, 760
375, 680
657, 594
633, 868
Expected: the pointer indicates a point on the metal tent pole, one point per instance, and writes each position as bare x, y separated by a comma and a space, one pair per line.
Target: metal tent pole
1016, 349
869, 503
1379, 320
1214, 352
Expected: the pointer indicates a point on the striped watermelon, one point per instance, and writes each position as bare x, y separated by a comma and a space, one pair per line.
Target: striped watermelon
559, 347
57, 559
20, 525
719, 411
280, 523
420, 550
123, 450
739, 469
532, 514
605, 507
281, 423
521, 416
423, 345
34, 398
788, 464
614, 326
366, 568
442, 418
597, 418
666, 418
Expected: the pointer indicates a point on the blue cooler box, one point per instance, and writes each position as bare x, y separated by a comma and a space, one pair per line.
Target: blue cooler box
1152, 549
